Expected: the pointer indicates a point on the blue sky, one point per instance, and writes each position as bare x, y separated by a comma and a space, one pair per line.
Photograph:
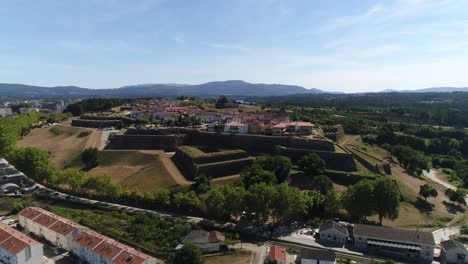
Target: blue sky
348, 45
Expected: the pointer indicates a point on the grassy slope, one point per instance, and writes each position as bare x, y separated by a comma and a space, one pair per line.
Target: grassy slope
410, 214
64, 142
141, 170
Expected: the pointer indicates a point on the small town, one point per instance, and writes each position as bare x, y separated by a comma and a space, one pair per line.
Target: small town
234, 132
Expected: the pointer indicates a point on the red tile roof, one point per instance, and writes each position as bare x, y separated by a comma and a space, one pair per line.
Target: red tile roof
50, 220
14, 241
278, 253
110, 249
216, 236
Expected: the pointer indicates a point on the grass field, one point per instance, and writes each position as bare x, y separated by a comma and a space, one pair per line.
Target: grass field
63, 142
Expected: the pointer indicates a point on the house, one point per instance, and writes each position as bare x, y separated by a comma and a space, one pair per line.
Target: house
17, 248
395, 242
208, 117
453, 252
6, 111
318, 256
301, 128
333, 232
277, 253
92, 247
208, 242
55, 229
236, 127
279, 129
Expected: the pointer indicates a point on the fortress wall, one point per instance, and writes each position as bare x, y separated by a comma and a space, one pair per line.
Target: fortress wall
165, 142
334, 160
96, 123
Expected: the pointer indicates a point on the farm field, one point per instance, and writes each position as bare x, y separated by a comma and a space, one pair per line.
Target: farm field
63, 142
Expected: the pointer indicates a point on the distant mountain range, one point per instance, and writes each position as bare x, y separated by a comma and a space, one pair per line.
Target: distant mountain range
233, 88
430, 90
228, 88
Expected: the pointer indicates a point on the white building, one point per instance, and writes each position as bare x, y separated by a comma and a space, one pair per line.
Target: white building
94, 248
235, 127
453, 252
6, 111
404, 243
17, 248
333, 232
55, 229
208, 117
318, 256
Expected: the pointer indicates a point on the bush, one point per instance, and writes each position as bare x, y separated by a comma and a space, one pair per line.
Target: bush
84, 134
90, 157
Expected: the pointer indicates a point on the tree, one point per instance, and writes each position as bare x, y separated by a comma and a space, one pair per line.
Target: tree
255, 174
279, 165
464, 146
16, 207
427, 191
457, 196
189, 254
202, 184
358, 199
235, 197
312, 164
259, 201
323, 184
222, 100
387, 198
464, 229
90, 157
288, 203
216, 203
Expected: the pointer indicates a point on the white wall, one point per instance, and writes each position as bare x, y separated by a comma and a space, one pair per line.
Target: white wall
332, 235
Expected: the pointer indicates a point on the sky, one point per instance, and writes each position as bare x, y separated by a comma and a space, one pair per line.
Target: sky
346, 45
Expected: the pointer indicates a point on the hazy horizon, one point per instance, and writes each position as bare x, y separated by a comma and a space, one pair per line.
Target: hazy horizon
339, 46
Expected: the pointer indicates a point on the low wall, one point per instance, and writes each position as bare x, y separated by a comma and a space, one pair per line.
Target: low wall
334, 160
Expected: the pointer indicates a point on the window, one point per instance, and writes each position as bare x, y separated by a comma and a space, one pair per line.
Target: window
28, 253
460, 257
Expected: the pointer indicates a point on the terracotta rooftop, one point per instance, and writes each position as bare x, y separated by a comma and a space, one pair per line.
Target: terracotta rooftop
50, 220
14, 241
278, 253
110, 249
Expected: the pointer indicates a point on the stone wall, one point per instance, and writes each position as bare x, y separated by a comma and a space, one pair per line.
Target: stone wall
334, 160
96, 123
164, 142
